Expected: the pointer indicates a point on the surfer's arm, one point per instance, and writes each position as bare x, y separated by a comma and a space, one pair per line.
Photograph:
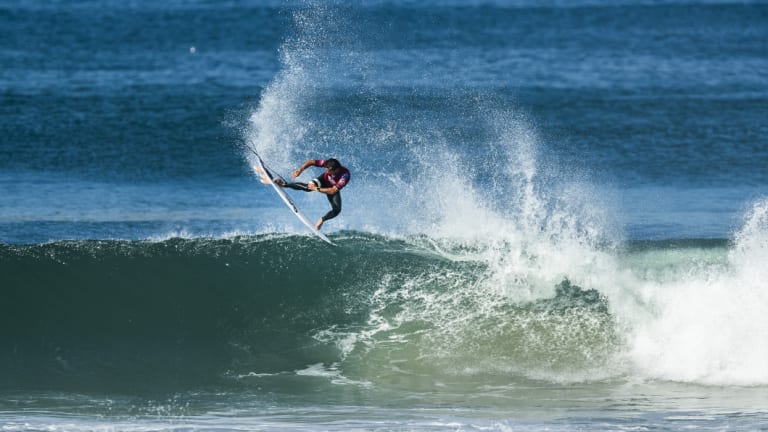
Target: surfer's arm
305, 165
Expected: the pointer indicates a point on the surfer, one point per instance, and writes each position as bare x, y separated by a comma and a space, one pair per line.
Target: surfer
329, 183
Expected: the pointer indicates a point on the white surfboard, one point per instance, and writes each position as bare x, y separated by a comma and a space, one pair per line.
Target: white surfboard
268, 178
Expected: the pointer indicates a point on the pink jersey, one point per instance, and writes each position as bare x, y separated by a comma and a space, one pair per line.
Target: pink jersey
340, 178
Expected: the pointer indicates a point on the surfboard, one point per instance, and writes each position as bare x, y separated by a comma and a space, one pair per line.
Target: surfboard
268, 178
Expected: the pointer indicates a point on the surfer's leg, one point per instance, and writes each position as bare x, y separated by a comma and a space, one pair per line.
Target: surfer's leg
297, 186
335, 201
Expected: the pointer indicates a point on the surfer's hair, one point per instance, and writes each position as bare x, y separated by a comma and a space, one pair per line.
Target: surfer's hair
332, 164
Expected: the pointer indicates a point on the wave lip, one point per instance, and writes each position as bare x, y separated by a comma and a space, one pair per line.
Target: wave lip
708, 323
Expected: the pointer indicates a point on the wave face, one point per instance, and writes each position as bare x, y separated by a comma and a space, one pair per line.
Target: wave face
411, 313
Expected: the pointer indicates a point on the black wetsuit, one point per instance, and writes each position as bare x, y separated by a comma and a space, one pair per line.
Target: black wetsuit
339, 179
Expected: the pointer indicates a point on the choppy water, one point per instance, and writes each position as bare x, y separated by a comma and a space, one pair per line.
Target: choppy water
557, 217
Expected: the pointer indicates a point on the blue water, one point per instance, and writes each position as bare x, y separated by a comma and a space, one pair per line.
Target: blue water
501, 152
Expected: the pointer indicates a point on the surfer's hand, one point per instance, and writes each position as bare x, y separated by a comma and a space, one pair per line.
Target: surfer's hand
296, 173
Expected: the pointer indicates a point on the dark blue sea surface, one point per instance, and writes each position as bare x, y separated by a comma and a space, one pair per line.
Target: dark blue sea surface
557, 218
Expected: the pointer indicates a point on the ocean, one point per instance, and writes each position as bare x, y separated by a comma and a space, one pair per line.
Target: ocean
557, 217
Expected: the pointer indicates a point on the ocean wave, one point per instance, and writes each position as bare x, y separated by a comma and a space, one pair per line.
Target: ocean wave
413, 312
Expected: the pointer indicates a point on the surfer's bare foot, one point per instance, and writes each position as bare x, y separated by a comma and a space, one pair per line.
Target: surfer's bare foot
319, 224
279, 182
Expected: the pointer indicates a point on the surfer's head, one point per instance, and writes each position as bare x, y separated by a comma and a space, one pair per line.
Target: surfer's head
332, 164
